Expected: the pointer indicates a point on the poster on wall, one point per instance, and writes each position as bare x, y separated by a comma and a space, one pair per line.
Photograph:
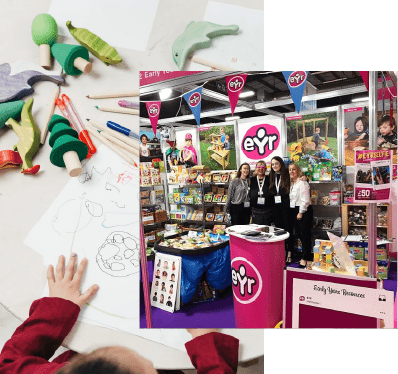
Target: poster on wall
356, 133
373, 176
260, 140
182, 151
149, 146
217, 147
312, 142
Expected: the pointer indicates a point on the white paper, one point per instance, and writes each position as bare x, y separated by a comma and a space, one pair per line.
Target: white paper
244, 51
120, 23
97, 216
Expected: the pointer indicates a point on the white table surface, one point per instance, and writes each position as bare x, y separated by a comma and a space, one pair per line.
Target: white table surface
25, 198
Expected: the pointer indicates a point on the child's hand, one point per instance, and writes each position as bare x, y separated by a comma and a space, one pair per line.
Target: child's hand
66, 285
380, 140
199, 332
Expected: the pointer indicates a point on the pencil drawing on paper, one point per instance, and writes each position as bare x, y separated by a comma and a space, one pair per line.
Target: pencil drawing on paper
118, 255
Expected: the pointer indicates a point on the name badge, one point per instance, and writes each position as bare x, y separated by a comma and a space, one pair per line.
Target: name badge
261, 200
246, 204
278, 199
292, 204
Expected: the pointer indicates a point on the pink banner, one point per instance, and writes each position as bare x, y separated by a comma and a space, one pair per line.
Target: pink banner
153, 108
235, 84
373, 174
149, 77
366, 157
293, 118
349, 110
365, 77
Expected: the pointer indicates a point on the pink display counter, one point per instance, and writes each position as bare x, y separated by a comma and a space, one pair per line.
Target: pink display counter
257, 280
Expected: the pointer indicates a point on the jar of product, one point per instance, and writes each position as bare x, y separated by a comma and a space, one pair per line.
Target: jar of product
335, 197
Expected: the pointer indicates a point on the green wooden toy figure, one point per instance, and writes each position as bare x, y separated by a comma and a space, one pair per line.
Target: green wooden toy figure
74, 59
99, 48
12, 109
44, 34
197, 36
67, 149
29, 137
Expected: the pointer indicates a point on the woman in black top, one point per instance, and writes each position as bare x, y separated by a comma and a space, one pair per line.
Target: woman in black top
279, 185
261, 200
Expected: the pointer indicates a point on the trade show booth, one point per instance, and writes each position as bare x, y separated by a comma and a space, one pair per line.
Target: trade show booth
198, 130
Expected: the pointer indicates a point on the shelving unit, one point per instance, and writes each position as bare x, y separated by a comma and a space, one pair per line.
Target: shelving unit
382, 230
331, 212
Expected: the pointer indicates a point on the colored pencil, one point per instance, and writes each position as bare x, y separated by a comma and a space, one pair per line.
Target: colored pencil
118, 142
211, 64
116, 109
109, 144
50, 113
129, 104
132, 142
132, 93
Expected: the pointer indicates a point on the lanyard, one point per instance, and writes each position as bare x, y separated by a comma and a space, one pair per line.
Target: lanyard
246, 187
277, 184
260, 188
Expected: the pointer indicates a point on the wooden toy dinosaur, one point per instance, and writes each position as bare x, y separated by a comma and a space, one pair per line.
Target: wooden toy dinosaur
99, 48
17, 78
29, 138
197, 36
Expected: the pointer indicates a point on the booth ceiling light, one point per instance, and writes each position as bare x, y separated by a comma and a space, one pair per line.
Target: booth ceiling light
366, 98
165, 93
233, 118
246, 94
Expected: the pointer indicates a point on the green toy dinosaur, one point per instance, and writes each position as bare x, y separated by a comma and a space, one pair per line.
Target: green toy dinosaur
197, 36
29, 138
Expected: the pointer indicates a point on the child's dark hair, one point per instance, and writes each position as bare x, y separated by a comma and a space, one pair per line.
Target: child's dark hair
364, 122
385, 119
97, 365
142, 136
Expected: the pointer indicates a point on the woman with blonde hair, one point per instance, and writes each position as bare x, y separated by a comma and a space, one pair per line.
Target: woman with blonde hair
301, 212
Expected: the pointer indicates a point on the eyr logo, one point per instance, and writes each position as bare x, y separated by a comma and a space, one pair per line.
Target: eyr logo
153, 110
246, 281
194, 99
260, 141
235, 84
297, 78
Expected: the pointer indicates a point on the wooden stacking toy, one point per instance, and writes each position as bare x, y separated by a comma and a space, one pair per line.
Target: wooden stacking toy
73, 58
44, 34
67, 149
10, 110
29, 137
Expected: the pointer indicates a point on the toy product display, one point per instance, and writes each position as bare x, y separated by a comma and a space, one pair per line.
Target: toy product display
29, 138
99, 48
44, 34
10, 110
197, 35
74, 59
17, 78
67, 149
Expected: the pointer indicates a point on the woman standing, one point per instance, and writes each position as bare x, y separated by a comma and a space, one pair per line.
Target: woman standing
238, 204
261, 200
279, 185
301, 212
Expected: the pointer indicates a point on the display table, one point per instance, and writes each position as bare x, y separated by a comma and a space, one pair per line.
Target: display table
214, 261
257, 278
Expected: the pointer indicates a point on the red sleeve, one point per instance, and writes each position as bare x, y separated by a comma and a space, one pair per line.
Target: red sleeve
214, 353
36, 340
